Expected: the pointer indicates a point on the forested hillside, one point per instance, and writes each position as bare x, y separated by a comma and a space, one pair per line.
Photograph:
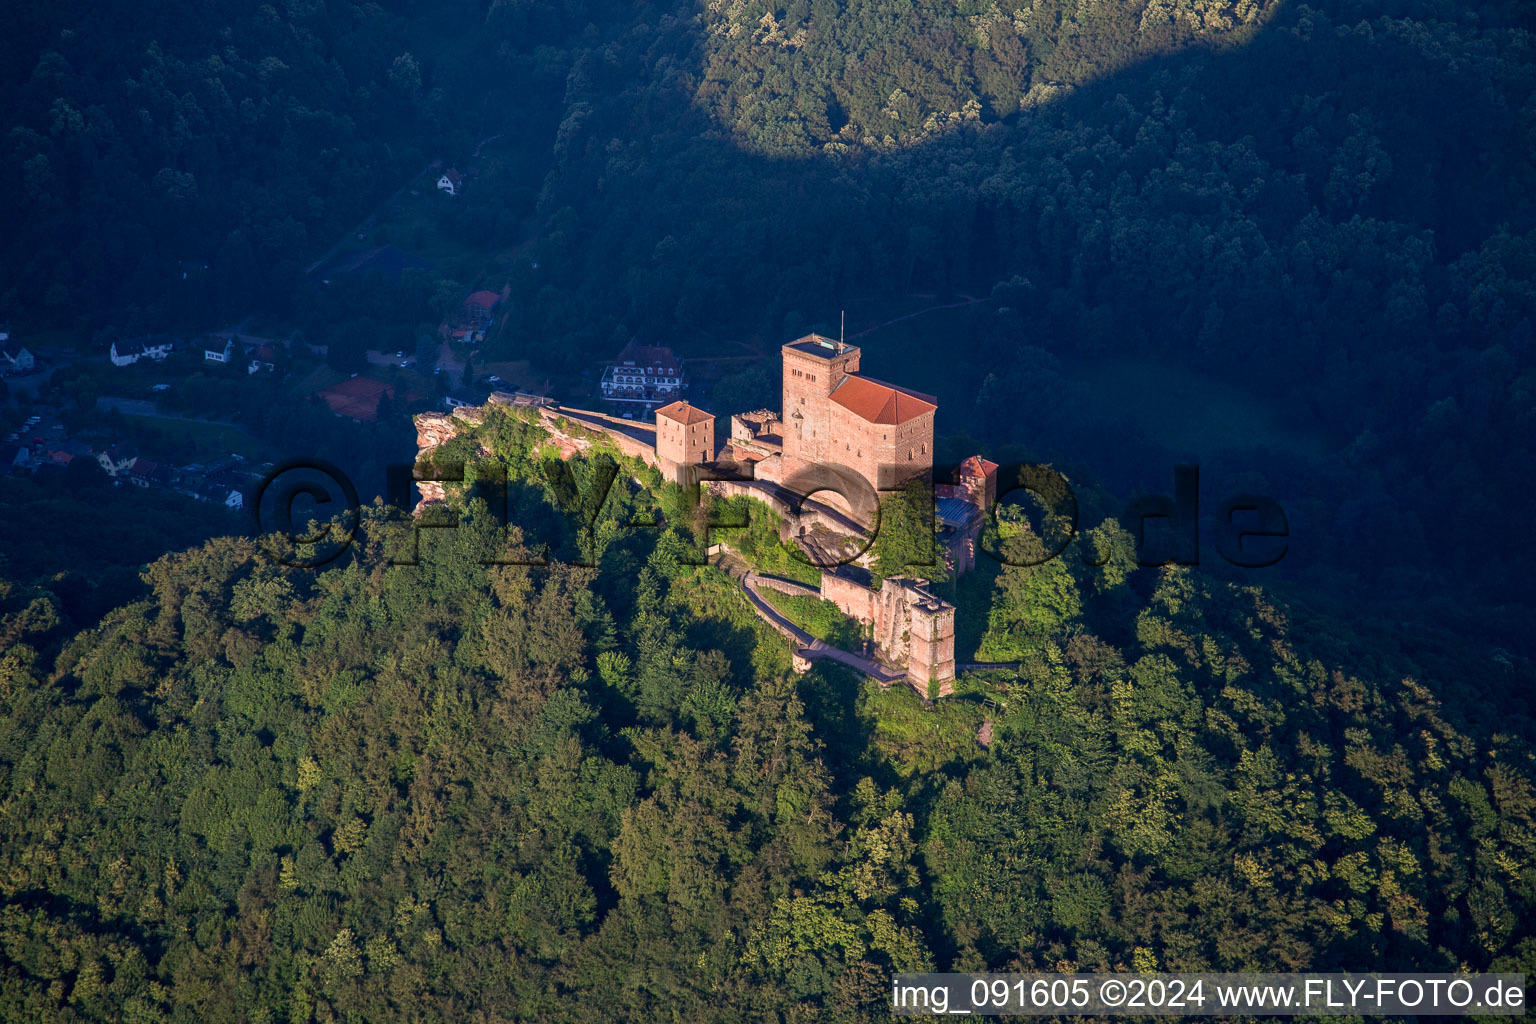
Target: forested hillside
177, 166
836, 75
454, 791
464, 791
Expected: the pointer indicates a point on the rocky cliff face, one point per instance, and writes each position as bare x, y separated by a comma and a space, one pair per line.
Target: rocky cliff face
432, 430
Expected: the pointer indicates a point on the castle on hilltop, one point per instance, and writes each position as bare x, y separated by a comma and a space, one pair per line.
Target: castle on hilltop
835, 425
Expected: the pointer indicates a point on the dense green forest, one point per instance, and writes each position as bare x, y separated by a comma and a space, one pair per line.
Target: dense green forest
86, 542
460, 791
237, 791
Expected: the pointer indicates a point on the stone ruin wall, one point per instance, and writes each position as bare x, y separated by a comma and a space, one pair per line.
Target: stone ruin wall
909, 626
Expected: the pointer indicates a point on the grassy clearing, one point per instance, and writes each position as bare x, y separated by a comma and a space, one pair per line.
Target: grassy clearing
914, 738
759, 544
822, 619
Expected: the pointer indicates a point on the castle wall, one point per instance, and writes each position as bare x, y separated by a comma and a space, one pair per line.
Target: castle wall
852, 599
909, 625
573, 435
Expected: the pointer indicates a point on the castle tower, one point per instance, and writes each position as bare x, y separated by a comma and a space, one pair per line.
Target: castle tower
685, 436
813, 368
931, 645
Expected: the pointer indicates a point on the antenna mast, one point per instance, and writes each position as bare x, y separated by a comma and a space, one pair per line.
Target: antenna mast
842, 321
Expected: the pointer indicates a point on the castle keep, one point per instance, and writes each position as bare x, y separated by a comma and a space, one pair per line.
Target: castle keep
834, 416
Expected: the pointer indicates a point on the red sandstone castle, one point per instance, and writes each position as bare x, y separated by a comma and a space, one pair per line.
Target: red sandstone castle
833, 417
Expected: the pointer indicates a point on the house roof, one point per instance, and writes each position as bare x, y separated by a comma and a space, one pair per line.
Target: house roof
143, 342
483, 298
955, 512
977, 466
877, 402
263, 352
453, 176
658, 356
121, 453
684, 413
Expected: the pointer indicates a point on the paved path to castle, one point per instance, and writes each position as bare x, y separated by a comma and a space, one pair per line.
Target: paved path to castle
809, 646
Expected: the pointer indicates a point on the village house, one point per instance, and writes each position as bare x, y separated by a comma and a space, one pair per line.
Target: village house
474, 318
129, 351
217, 353
451, 182
263, 358
17, 361
644, 375
146, 473
117, 460
65, 451
460, 398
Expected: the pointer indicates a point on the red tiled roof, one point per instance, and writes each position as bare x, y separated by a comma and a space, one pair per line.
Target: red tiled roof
977, 466
658, 356
682, 412
877, 402
357, 397
483, 299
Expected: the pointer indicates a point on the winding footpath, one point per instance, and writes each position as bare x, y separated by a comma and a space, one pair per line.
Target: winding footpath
807, 646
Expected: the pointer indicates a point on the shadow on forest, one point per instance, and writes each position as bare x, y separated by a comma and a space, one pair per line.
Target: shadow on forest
1290, 231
